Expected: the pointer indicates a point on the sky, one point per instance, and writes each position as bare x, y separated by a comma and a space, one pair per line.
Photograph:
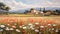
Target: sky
23, 4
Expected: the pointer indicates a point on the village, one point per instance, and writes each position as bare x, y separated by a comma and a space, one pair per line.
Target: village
44, 12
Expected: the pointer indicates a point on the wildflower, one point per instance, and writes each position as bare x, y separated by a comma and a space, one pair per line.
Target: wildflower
36, 30
1, 30
54, 24
32, 28
52, 28
49, 24
36, 23
29, 24
17, 30
24, 27
41, 26
13, 26
8, 24
20, 26
24, 31
49, 29
11, 29
2, 26
56, 30
7, 28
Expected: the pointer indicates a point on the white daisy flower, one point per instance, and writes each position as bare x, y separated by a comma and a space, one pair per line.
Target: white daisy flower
36, 23
24, 27
36, 30
8, 24
54, 24
32, 28
7, 28
20, 26
11, 29
17, 30
56, 30
29, 24
52, 28
1, 30
41, 26
2, 26
49, 24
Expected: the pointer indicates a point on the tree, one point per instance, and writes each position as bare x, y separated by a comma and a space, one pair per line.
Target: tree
7, 9
4, 7
2, 4
26, 11
44, 10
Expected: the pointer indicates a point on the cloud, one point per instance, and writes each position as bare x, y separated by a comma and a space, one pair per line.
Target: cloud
14, 5
30, 3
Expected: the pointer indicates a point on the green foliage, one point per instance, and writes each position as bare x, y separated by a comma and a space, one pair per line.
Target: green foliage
4, 7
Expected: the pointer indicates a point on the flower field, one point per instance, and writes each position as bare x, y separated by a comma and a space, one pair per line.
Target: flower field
29, 25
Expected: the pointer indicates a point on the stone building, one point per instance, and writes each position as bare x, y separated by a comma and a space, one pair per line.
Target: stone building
33, 11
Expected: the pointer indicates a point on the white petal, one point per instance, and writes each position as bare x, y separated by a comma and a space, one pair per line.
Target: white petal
17, 30
32, 28
49, 24
29, 24
36, 23
7, 28
11, 29
2, 26
52, 28
54, 24
20, 26
1, 29
36, 30
24, 27
56, 31
41, 26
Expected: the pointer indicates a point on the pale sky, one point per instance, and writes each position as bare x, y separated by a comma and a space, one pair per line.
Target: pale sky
22, 4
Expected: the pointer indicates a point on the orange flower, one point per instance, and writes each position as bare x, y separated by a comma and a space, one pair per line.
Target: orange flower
13, 26
21, 23
32, 20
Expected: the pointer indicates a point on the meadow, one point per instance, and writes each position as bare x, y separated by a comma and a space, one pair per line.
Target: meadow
28, 24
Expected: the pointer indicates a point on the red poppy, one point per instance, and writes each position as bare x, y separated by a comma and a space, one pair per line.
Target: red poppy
32, 20
24, 31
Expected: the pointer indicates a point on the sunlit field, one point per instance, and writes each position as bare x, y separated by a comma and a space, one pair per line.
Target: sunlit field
29, 15
29, 24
